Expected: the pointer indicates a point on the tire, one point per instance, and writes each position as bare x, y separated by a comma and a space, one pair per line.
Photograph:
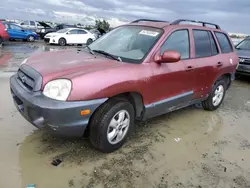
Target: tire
62, 42
31, 38
102, 136
89, 41
211, 104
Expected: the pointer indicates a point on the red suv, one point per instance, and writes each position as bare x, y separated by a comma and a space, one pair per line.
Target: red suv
136, 71
3, 33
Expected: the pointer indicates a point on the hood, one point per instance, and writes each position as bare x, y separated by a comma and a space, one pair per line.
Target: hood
65, 63
243, 53
44, 25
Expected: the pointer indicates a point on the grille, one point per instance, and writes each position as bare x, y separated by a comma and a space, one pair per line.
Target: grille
244, 61
29, 78
26, 80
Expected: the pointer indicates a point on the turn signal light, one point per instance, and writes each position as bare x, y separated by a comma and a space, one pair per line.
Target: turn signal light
85, 112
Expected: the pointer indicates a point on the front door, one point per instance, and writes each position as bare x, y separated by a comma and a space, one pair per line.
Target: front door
173, 86
15, 31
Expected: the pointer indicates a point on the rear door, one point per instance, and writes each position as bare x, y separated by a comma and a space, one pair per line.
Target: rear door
82, 36
229, 59
206, 55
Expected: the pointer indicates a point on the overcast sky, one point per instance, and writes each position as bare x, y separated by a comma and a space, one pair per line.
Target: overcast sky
232, 15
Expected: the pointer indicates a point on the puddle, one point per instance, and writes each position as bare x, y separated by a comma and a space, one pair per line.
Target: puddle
187, 148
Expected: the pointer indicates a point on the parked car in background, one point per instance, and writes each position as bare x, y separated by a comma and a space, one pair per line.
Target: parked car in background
3, 33
236, 41
64, 26
98, 32
31, 25
137, 71
70, 36
45, 30
243, 51
17, 32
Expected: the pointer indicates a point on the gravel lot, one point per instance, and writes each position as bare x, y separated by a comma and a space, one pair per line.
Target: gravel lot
187, 148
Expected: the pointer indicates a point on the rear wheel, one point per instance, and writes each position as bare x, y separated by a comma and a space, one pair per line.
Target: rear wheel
216, 97
31, 38
62, 42
111, 125
89, 41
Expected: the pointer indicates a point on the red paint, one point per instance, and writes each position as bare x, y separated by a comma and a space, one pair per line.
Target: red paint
3, 32
100, 77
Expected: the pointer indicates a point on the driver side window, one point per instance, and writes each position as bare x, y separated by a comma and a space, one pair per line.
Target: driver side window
178, 41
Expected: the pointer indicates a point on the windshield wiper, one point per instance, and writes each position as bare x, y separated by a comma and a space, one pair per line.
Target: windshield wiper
108, 54
90, 50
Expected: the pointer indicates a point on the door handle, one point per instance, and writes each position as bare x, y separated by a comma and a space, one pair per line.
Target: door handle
189, 68
219, 64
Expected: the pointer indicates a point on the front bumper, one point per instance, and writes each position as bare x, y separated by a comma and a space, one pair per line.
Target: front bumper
46, 39
243, 69
59, 117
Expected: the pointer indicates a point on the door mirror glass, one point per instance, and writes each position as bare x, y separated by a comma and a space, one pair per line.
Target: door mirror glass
169, 56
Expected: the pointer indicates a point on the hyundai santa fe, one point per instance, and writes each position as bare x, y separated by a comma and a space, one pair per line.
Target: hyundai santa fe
136, 71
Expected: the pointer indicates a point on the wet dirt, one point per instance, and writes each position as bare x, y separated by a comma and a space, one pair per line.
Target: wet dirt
187, 148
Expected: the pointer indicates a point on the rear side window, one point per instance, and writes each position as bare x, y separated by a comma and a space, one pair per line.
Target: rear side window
32, 23
178, 41
204, 44
214, 47
224, 42
81, 32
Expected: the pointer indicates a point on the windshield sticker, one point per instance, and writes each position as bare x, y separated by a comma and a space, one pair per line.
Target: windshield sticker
149, 33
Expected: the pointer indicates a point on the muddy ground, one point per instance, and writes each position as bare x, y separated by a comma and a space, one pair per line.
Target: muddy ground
187, 148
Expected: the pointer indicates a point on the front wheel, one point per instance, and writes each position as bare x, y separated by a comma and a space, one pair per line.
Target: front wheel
111, 125
31, 38
62, 42
216, 97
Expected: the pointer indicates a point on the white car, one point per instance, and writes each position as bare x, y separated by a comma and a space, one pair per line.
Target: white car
70, 36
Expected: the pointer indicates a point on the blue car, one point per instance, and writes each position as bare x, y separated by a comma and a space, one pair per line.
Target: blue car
17, 32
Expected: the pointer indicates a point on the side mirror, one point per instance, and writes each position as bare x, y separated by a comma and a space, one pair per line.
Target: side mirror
67, 33
169, 56
22, 24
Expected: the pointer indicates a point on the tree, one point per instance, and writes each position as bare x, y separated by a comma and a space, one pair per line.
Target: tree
102, 24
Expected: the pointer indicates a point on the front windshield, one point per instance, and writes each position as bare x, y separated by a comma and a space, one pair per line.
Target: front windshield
62, 31
244, 45
130, 43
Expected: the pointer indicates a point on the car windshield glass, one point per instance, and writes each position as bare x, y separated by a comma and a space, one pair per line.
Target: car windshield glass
244, 45
130, 43
63, 31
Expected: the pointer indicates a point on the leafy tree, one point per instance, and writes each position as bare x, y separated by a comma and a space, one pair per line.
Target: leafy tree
102, 24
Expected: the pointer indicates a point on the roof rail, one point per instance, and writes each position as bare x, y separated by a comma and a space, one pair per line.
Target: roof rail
147, 20
176, 22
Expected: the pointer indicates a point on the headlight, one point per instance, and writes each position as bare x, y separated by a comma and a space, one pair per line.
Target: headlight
43, 30
58, 89
24, 61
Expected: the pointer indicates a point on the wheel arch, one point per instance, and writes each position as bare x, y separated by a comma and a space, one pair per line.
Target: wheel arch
227, 76
136, 99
